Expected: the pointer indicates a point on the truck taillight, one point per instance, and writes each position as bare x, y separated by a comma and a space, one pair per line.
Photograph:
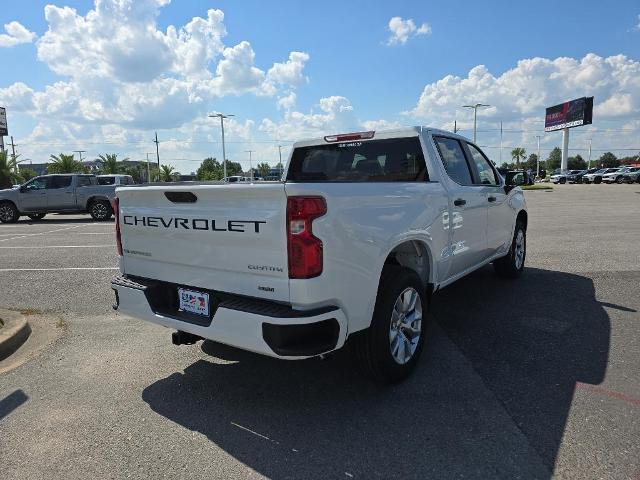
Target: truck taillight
115, 203
304, 249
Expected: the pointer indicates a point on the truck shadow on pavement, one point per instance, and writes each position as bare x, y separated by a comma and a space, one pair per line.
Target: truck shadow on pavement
490, 397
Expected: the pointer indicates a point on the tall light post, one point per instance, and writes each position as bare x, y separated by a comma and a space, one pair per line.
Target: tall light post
589, 161
475, 116
250, 164
222, 116
280, 155
538, 161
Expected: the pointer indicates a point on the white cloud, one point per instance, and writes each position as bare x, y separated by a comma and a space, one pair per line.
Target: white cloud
401, 30
290, 72
16, 34
287, 102
534, 84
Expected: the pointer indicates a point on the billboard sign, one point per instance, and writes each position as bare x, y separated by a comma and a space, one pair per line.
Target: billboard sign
3, 122
569, 114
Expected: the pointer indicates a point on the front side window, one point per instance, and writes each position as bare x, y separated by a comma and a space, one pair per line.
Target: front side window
389, 160
84, 181
487, 176
454, 160
38, 183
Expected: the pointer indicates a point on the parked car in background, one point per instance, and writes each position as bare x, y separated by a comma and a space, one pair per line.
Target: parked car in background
64, 193
115, 179
575, 176
616, 176
633, 175
565, 176
578, 178
596, 177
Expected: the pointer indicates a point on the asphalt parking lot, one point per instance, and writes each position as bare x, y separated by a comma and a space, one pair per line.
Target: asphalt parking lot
536, 378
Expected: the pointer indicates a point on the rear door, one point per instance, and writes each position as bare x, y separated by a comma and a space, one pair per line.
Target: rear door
229, 238
468, 219
60, 193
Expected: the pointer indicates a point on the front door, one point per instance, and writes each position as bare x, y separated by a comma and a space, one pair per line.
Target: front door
33, 195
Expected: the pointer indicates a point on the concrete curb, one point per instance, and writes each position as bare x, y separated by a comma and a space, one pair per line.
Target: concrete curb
13, 334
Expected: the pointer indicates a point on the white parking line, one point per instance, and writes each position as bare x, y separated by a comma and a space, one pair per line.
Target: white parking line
54, 269
61, 246
42, 233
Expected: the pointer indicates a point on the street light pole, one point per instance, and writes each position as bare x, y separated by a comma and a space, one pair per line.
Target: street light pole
250, 164
148, 169
222, 116
538, 161
475, 116
280, 155
589, 162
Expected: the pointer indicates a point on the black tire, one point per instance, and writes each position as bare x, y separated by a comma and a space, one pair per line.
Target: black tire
563, 180
8, 212
512, 264
597, 180
619, 179
100, 210
36, 216
586, 181
371, 349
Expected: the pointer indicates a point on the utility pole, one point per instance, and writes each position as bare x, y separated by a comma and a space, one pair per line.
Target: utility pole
250, 164
222, 116
148, 169
455, 126
280, 155
79, 152
13, 151
589, 162
538, 162
157, 151
500, 142
475, 116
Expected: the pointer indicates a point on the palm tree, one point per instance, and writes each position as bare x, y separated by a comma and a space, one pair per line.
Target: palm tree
64, 164
264, 169
517, 154
166, 173
8, 170
109, 163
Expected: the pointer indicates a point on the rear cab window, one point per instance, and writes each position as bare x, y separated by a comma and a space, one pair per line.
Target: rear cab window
385, 160
106, 180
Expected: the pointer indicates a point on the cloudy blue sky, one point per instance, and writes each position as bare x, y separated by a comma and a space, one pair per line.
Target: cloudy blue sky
103, 76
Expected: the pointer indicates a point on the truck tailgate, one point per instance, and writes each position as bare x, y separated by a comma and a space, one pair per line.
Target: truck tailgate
229, 238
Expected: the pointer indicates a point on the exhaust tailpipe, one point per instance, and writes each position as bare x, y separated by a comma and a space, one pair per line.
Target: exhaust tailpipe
184, 338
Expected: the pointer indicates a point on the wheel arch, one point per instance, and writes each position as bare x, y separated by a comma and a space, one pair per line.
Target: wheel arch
413, 254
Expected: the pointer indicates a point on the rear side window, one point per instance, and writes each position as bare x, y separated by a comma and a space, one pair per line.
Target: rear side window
389, 160
84, 181
106, 180
454, 160
60, 181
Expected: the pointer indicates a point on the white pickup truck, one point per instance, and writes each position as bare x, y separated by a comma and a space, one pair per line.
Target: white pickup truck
348, 249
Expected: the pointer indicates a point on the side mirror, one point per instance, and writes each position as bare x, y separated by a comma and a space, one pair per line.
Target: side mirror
23, 189
514, 179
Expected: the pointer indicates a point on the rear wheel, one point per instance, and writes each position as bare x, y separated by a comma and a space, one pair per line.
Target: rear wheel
512, 264
619, 179
389, 349
597, 180
8, 213
563, 180
100, 210
36, 216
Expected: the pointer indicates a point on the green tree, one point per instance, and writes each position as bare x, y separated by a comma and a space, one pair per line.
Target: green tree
209, 169
64, 164
263, 169
27, 173
517, 154
609, 160
576, 163
109, 163
532, 162
166, 173
233, 168
554, 159
8, 170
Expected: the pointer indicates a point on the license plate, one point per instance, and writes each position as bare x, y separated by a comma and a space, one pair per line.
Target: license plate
194, 302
